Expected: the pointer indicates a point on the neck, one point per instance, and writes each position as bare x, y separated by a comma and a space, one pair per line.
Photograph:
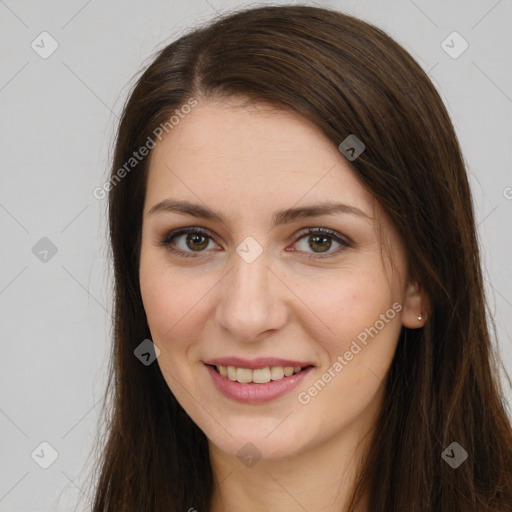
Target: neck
320, 479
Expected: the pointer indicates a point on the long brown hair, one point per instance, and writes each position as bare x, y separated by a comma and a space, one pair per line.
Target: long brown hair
348, 77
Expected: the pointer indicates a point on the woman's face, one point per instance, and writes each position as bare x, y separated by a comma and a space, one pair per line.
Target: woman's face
253, 289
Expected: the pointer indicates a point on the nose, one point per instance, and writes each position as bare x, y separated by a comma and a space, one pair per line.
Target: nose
251, 302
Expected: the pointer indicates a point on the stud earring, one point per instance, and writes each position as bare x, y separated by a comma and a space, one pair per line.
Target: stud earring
420, 317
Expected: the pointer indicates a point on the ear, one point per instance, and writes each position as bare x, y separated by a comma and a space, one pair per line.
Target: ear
416, 306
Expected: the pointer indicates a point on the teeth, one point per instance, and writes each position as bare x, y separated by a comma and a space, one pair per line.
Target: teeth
276, 372
243, 375
258, 376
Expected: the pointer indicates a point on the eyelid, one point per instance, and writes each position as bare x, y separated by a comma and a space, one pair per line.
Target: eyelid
344, 241
169, 236
339, 238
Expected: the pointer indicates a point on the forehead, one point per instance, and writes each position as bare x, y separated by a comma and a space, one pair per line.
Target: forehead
224, 151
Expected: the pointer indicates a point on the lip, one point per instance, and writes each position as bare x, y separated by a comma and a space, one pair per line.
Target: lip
254, 364
251, 393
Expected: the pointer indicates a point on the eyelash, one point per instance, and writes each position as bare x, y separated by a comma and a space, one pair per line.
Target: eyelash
167, 239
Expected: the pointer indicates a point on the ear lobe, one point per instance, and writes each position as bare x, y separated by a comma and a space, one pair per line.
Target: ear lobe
415, 306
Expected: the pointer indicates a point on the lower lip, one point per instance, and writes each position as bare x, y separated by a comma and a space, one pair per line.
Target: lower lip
251, 393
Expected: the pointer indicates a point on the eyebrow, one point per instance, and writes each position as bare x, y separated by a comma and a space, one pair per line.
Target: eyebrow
280, 217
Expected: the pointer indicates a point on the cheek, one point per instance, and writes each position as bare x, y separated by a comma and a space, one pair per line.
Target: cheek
358, 347
346, 305
176, 310
356, 332
170, 297
172, 303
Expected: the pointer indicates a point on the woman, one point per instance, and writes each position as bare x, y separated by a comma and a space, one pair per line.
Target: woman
300, 320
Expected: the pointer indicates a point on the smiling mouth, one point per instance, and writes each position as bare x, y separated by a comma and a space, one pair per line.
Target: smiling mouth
258, 375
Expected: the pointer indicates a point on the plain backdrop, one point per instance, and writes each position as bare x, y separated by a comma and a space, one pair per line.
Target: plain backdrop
58, 116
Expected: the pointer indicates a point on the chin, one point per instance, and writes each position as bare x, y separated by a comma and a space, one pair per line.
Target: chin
249, 450
255, 437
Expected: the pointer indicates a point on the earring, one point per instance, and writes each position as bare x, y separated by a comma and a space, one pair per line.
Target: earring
420, 317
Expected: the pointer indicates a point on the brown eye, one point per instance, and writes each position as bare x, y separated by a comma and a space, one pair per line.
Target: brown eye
196, 241
321, 240
187, 241
322, 243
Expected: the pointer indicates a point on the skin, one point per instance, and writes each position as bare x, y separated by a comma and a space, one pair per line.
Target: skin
246, 162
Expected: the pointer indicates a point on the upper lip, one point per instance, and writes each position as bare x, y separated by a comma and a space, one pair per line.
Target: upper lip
254, 364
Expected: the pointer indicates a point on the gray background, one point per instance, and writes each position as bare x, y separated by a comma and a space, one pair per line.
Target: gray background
57, 122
